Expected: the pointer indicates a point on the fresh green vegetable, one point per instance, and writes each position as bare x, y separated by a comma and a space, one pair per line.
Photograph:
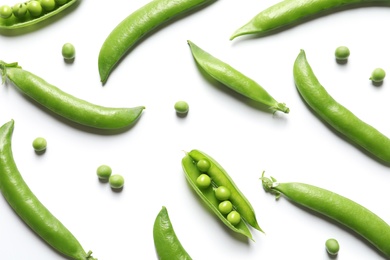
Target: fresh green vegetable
213, 195
378, 75
32, 12
135, 26
342, 53
234, 217
5, 11
203, 165
39, 144
68, 51
104, 172
29, 208
341, 209
116, 181
332, 246
167, 244
234, 79
203, 181
181, 107
336, 115
66, 105
225, 207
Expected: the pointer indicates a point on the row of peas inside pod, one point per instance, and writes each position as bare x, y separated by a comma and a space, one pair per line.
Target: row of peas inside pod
32, 8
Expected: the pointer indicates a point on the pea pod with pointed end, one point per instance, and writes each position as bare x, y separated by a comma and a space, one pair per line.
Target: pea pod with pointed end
136, 26
29, 208
220, 189
167, 244
234, 79
66, 105
339, 208
335, 114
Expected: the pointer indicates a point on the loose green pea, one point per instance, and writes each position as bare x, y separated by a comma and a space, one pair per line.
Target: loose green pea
222, 193
5, 11
342, 53
39, 144
34, 8
332, 246
181, 107
378, 75
68, 51
104, 172
203, 181
225, 207
48, 5
234, 217
203, 165
116, 181
19, 10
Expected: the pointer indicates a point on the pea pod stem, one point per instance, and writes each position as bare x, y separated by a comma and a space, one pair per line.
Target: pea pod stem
66, 105
29, 208
335, 114
334, 206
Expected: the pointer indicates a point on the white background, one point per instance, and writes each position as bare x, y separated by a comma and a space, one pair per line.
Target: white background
244, 139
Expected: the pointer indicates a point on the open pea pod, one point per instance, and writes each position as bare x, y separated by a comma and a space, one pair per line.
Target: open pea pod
219, 177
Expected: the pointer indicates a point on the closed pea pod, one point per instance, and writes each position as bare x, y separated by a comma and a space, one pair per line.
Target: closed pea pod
66, 105
29, 208
136, 26
336, 115
168, 246
334, 206
219, 177
234, 79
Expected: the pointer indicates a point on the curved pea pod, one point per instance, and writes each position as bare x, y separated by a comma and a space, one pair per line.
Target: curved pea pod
219, 177
13, 22
66, 105
234, 79
167, 244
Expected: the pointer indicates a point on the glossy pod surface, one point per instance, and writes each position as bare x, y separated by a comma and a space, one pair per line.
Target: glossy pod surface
288, 12
14, 22
135, 26
339, 208
28, 207
68, 106
339, 117
219, 177
234, 79
167, 244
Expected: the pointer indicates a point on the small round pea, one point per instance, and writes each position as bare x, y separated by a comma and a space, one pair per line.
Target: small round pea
48, 5
68, 51
225, 207
203, 181
342, 53
378, 75
19, 10
203, 165
61, 2
332, 246
39, 144
5, 11
34, 8
222, 193
234, 217
104, 172
181, 107
116, 181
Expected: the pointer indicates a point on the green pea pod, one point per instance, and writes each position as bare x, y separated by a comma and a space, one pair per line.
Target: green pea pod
136, 26
234, 79
341, 209
66, 105
29, 208
290, 12
13, 22
167, 244
219, 177
336, 115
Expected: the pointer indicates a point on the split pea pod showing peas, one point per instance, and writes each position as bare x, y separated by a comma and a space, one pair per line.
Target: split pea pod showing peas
290, 12
336, 115
216, 188
136, 26
32, 12
234, 79
66, 105
341, 209
167, 244
29, 208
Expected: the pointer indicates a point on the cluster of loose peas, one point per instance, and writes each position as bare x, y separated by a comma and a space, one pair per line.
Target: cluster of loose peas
35, 8
222, 193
